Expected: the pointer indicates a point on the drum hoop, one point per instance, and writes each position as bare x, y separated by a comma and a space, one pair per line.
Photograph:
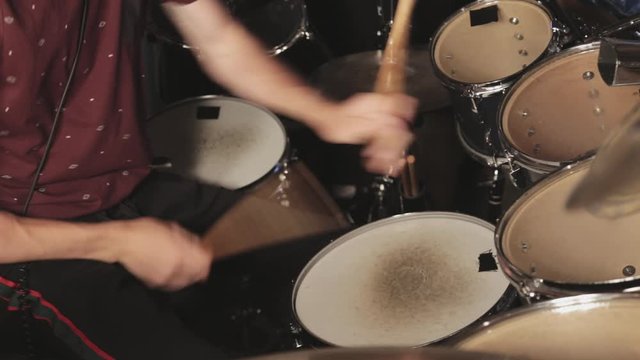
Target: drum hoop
365, 228
600, 300
302, 31
490, 87
527, 161
488, 160
537, 285
284, 157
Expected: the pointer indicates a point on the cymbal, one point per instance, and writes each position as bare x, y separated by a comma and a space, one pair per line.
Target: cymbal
611, 187
345, 76
430, 353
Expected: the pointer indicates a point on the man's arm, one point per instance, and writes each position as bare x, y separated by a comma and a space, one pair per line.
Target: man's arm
233, 57
158, 253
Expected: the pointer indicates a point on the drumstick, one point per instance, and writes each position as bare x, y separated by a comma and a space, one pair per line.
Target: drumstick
391, 76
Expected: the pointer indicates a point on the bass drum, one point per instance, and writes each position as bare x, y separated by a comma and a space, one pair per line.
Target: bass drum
588, 327
409, 280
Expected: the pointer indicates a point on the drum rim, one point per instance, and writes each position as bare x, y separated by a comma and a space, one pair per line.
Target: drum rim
527, 161
533, 286
301, 31
283, 157
600, 300
494, 161
493, 86
365, 228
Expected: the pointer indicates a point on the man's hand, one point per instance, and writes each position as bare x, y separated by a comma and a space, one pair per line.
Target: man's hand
161, 254
379, 122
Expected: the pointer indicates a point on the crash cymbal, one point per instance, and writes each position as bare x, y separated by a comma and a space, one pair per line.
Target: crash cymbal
431, 353
345, 76
611, 188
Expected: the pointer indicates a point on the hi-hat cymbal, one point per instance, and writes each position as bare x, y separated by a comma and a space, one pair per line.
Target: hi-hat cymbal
345, 76
431, 353
611, 188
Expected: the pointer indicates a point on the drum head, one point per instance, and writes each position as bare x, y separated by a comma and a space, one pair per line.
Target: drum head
486, 52
563, 109
540, 238
579, 328
404, 281
223, 141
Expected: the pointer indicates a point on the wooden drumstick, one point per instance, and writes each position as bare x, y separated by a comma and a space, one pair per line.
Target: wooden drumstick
391, 75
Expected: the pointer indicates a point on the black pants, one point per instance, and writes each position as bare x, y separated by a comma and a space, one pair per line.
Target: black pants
99, 310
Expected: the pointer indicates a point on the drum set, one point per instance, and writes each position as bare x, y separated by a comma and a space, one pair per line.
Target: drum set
543, 283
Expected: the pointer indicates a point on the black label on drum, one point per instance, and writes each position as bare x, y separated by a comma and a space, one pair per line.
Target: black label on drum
484, 15
208, 112
487, 262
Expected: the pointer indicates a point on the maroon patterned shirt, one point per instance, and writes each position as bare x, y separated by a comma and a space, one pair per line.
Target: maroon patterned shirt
98, 155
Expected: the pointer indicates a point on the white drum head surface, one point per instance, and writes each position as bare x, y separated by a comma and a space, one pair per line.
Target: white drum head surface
223, 141
405, 281
544, 240
591, 330
563, 109
496, 50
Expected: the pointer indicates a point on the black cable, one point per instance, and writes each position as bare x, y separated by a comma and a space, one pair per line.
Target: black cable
22, 286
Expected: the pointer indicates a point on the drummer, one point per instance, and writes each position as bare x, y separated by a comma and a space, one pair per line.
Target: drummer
84, 211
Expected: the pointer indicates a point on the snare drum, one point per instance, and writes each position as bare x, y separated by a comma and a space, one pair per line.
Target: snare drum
408, 280
588, 327
478, 52
218, 140
561, 110
548, 251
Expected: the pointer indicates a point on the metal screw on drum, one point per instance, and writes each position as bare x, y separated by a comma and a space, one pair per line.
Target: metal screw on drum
594, 93
514, 20
524, 247
448, 57
518, 36
523, 52
588, 75
597, 111
524, 113
629, 270
531, 131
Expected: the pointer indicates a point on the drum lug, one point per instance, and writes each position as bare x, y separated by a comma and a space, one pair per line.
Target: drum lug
516, 174
296, 332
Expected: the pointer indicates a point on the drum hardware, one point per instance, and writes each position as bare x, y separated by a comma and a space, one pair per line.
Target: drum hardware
619, 62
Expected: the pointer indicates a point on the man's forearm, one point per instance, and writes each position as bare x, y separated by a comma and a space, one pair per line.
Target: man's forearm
25, 239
